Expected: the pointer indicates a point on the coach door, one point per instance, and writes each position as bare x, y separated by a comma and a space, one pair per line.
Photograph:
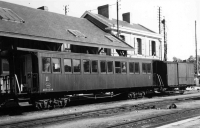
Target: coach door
29, 77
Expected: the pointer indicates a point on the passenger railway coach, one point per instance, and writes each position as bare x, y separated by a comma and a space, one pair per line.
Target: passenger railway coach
47, 58
50, 74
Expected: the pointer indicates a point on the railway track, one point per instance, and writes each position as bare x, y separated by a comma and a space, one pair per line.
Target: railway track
95, 113
159, 120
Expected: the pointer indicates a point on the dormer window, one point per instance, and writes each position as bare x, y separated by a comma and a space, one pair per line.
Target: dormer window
77, 33
9, 15
111, 38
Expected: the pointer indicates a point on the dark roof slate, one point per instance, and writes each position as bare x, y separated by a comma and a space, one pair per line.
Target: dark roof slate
49, 25
113, 22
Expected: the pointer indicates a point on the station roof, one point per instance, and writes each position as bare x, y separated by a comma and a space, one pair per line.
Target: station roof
113, 22
29, 23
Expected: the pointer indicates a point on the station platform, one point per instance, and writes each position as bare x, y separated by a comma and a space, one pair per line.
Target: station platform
187, 123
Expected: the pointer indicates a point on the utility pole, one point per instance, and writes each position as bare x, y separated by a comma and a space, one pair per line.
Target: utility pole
196, 48
165, 41
159, 19
159, 26
117, 18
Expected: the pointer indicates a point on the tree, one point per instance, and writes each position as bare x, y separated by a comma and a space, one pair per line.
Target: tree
191, 59
175, 59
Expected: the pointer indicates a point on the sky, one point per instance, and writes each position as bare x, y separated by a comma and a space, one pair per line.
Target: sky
180, 16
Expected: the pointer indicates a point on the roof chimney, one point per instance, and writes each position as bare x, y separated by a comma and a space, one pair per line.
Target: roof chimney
45, 8
127, 17
105, 11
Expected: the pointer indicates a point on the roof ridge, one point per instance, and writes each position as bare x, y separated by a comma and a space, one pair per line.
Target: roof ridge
146, 28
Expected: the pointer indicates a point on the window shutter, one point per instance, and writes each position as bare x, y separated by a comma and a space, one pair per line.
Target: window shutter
157, 48
150, 48
143, 47
136, 46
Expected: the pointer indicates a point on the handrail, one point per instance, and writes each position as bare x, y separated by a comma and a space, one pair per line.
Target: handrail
159, 79
17, 83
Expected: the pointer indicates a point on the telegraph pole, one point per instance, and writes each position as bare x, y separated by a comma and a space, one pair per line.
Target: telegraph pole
165, 41
196, 48
159, 15
117, 18
159, 25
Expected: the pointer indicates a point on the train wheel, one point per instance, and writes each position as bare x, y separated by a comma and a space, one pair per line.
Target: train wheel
60, 103
38, 106
143, 93
65, 102
134, 95
53, 104
69, 100
130, 96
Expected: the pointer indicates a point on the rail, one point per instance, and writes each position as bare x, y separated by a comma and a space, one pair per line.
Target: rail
102, 113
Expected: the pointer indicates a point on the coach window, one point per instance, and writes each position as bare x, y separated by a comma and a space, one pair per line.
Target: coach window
68, 65
56, 65
94, 66
110, 66
123, 67
103, 66
148, 68
137, 68
86, 66
46, 64
131, 67
117, 67
144, 68
77, 65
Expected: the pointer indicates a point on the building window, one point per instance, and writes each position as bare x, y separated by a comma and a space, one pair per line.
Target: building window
103, 66
122, 37
153, 48
139, 44
110, 66
77, 65
68, 65
46, 64
56, 65
86, 66
117, 67
94, 66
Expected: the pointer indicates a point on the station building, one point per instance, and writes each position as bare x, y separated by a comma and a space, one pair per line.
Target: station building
146, 43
